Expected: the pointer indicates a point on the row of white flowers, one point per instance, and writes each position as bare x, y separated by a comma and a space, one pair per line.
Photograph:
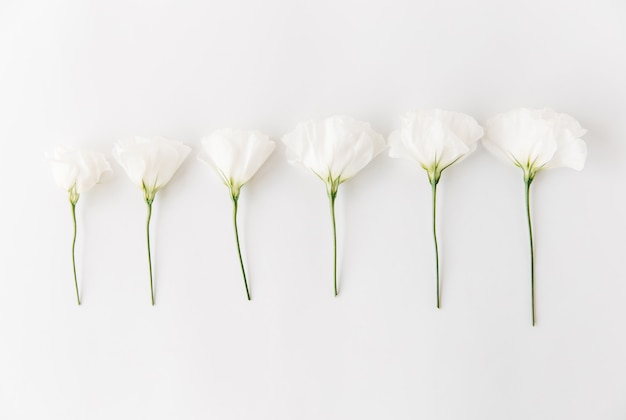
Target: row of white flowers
335, 149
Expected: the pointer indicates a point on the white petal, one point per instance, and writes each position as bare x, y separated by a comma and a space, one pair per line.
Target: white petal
435, 137
91, 167
572, 150
169, 156
256, 149
218, 154
347, 148
150, 161
537, 139
335, 148
236, 155
301, 148
130, 156
521, 136
81, 169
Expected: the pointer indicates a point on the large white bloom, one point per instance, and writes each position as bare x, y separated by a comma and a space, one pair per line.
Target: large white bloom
536, 139
335, 148
236, 155
435, 139
77, 171
150, 163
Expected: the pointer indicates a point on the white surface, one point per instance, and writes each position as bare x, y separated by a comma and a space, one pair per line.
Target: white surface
86, 73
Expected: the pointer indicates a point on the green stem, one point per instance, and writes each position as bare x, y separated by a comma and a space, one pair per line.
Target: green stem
243, 271
73, 252
434, 189
149, 203
332, 196
532, 252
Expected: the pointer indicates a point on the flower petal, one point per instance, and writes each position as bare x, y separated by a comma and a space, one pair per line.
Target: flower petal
150, 161
335, 148
572, 150
435, 138
522, 137
79, 169
536, 139
236, 155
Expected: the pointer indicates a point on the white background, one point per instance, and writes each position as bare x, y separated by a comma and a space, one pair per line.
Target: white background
86, 73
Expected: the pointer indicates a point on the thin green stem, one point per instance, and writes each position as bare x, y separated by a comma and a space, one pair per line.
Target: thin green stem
243, 270
332, 196
434, 189
73, 252
532, 251
149, 203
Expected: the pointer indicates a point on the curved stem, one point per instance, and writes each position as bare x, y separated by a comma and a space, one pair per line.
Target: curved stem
532, 252
149, 203
332, 196
243, 271
434, 189
73, 252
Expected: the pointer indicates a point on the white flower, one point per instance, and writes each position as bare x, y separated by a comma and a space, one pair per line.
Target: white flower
77, 171
236, 155
534, 140
335, 149
435, 139
150, 163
